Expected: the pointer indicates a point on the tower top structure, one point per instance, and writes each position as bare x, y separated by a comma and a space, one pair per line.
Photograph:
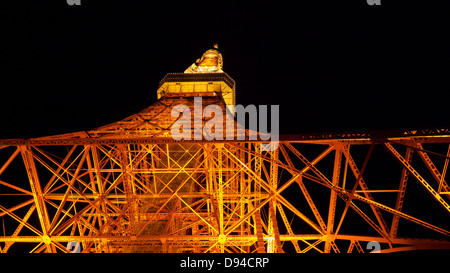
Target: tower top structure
210, 62
205, 77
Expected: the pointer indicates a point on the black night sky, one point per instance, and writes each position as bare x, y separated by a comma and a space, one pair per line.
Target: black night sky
331, 65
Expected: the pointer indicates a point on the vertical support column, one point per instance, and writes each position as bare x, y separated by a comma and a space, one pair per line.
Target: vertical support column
207, 153
273, 245
333, 198
259, 231
102, 220
401, 194
278, 246
257, 189
98, 179
145, 165
38, 196
274, 172
195, 229
154, 157
257, 171
220, 190
273, 179
128, 185
242, 184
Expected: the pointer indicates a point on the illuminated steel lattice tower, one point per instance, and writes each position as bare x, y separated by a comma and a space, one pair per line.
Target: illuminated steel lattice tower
131, 187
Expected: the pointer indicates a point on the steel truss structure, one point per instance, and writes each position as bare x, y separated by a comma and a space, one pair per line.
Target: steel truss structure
130, 187
324, 194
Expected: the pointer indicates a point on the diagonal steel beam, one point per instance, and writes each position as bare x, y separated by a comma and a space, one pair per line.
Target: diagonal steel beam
75, 175
305, 192
350, 197
10, 159
365, 188
418, 177
401, 194
433, 169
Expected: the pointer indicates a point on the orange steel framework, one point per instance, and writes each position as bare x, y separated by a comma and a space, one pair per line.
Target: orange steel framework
130, 187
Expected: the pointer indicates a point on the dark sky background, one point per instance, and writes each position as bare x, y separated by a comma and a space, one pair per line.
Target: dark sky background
331, 65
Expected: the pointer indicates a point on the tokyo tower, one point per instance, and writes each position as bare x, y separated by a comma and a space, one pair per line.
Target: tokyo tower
136, 185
